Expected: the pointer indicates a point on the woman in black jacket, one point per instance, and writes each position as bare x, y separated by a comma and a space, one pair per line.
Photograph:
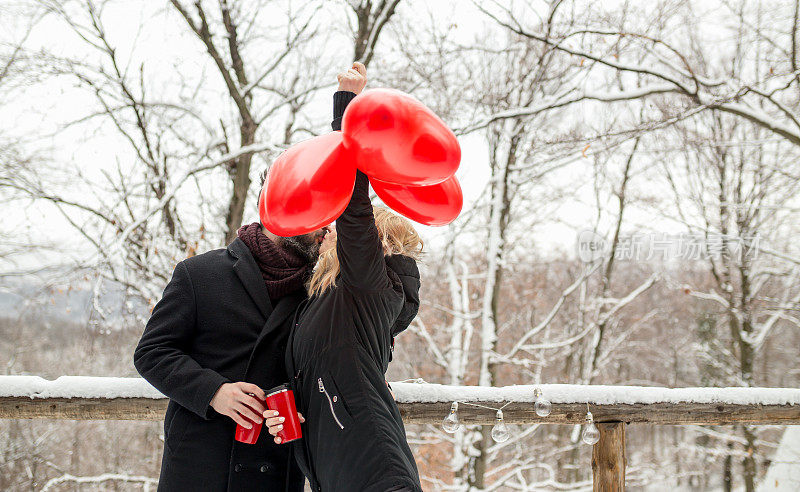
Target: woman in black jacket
364, 291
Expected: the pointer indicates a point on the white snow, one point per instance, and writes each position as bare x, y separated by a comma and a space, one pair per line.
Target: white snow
113, 387
597, 394
147, 482
784, 470
77, 387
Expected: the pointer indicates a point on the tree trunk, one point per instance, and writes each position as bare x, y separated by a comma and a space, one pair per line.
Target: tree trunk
727, 471
749, 462
498, 221
240, 179
370, 24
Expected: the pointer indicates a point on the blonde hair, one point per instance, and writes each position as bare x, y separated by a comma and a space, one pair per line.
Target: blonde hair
397, 235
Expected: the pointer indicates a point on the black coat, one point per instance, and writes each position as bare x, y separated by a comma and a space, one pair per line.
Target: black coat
216, 324
353, 438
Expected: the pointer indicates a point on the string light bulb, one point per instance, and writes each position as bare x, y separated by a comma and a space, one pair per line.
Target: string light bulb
590, 434
500, 432
451, 423
541, 406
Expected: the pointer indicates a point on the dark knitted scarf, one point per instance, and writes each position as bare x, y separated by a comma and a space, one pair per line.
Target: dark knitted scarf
284, 270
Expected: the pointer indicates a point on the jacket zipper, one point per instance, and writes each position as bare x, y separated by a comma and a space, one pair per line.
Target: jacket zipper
330, 402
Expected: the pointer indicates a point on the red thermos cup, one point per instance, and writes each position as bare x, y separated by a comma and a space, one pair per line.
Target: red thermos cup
281, 398
249, 436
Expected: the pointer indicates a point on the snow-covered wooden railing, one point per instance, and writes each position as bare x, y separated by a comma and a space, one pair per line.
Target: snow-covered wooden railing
108, 398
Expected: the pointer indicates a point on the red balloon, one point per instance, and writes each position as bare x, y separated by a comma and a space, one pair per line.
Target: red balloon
397, 139
308, 186
433, 205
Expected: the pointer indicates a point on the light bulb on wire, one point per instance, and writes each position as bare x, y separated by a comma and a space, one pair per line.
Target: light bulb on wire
451, 423
500, 432
590, 434
541, 406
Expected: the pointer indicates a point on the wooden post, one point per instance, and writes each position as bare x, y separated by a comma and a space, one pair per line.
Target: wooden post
608, 458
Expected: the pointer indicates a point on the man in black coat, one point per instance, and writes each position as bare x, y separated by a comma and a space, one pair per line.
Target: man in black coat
218, 334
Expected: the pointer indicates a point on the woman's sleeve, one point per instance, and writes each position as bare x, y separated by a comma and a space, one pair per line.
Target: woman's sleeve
340, 101
358, 244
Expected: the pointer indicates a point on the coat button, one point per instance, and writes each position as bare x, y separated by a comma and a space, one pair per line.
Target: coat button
237, 468
264, 468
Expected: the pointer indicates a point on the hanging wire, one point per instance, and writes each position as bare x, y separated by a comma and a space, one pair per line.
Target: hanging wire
483, 406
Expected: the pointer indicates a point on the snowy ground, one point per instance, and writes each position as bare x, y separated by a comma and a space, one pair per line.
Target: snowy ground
784, 472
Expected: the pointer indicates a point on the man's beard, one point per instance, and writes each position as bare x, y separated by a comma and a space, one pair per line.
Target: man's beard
305, 245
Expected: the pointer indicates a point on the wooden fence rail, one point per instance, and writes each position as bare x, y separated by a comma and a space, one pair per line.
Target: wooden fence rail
97, 398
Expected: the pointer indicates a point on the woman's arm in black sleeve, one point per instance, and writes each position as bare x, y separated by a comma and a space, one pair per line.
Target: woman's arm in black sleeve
340, 101
358, 245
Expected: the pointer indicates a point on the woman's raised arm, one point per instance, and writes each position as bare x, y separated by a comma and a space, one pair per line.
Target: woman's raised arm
358, 243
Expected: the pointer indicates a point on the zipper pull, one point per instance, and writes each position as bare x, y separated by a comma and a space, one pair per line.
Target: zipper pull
321, 386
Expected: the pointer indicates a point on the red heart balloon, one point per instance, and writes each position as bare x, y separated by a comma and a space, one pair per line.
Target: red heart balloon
308, 186
433, 205
397, 139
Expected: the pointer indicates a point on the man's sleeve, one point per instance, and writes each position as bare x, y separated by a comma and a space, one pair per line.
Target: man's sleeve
160, 356
340, 101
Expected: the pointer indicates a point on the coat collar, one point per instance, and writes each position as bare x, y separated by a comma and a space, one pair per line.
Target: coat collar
250, 275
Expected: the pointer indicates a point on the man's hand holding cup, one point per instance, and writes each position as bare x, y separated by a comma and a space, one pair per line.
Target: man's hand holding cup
240, 401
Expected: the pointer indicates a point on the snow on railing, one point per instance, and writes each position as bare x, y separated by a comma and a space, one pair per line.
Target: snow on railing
72, 397
76, 387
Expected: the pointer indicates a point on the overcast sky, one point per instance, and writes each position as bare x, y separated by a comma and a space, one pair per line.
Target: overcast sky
164, 43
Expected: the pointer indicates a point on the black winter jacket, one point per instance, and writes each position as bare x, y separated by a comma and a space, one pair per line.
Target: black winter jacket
216, 324
339, 351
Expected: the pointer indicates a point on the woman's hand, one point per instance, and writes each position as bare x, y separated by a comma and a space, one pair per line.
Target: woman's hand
275, 423
354, 79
